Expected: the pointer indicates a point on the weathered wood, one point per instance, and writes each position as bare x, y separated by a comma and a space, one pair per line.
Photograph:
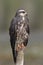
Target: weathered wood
20, 58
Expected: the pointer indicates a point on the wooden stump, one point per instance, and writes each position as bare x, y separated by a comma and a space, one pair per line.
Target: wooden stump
20, 58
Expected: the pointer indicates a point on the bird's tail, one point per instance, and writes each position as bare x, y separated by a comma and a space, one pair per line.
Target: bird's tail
14, 55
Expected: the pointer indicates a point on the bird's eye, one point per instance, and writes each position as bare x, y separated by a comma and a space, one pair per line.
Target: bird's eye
23, 12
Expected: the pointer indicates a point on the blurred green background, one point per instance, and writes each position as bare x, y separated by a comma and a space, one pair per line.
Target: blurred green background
34, 50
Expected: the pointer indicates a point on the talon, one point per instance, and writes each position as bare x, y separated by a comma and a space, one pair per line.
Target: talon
23, 45
19, 46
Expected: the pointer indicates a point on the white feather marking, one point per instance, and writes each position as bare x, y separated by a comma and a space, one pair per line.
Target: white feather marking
21, 26
23, 18
21, 10
21, 14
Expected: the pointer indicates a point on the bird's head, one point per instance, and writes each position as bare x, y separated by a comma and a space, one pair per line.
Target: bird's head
21, 12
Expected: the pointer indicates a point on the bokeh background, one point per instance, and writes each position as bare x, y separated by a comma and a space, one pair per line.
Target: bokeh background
34, 50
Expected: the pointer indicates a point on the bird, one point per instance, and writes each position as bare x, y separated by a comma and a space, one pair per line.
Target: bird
19, 32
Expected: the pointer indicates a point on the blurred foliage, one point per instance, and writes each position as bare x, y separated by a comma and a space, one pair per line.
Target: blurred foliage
8, 9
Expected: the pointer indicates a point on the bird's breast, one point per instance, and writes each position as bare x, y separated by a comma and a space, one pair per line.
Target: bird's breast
21, 33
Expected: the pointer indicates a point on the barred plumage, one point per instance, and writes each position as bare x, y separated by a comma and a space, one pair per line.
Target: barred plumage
19, 31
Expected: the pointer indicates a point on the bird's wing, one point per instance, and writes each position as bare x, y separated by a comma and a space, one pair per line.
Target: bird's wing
12, 33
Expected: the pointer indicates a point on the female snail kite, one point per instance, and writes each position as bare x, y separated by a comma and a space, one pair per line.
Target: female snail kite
19, 32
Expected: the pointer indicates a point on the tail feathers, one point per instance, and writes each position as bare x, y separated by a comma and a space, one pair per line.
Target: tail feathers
14, 55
